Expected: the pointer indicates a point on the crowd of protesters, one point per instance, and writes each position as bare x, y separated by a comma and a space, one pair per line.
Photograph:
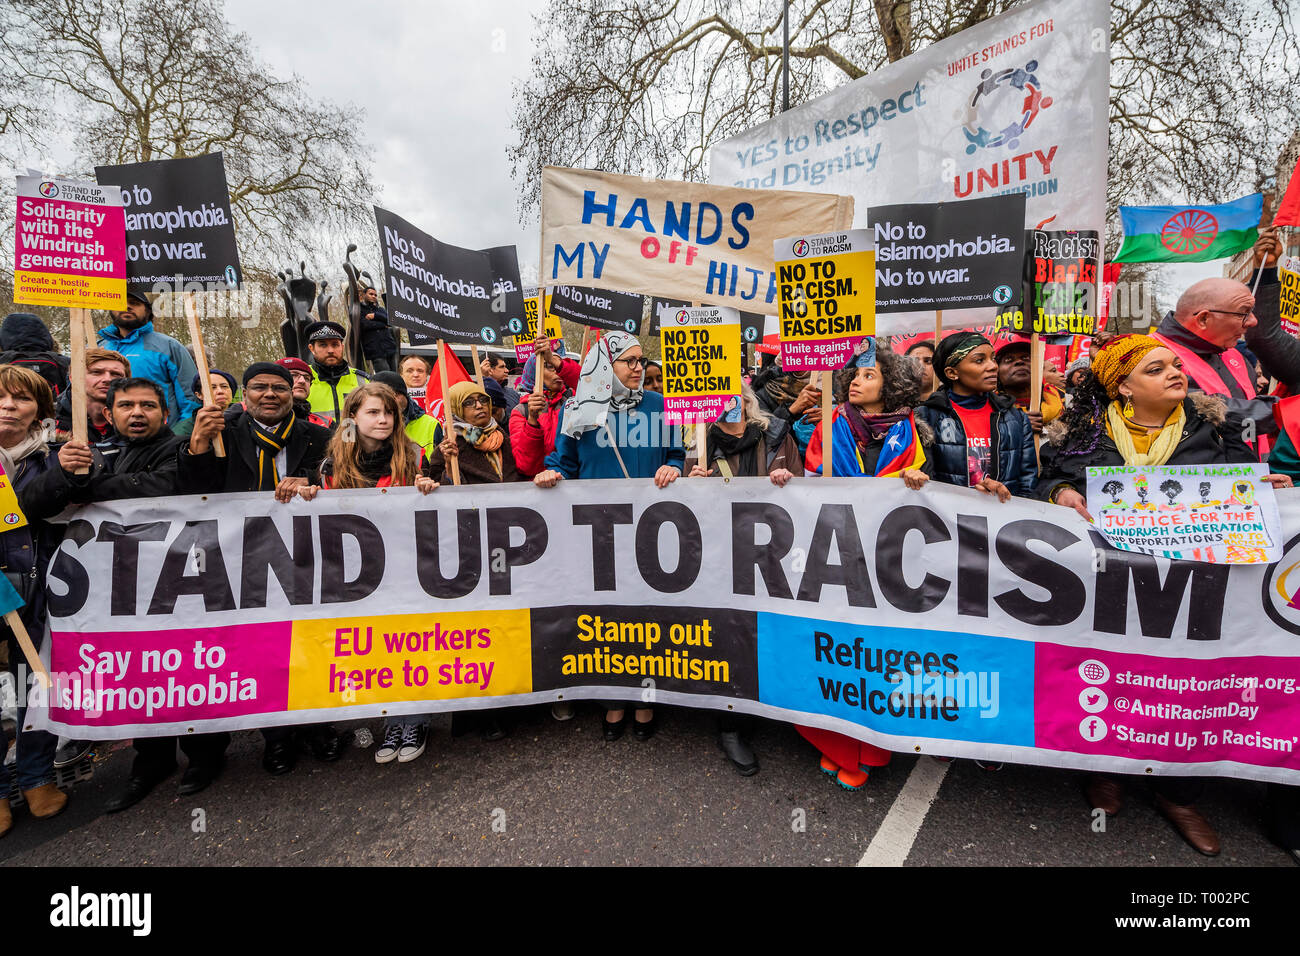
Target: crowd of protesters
1188, 393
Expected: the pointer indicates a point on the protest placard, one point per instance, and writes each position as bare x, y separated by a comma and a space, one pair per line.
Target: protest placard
440, 290
1219, 514
1288, 275
691, 241
702, 362
827, 298
945, 622
525, 338
751, 323
951, 255
1018, 102
1060, 286
178, 223
599, 308
69, 244
11, 515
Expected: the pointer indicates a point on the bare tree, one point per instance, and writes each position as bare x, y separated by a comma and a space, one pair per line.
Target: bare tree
137, 80
646, 87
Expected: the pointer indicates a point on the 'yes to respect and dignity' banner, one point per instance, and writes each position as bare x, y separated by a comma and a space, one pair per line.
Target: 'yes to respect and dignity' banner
940, 621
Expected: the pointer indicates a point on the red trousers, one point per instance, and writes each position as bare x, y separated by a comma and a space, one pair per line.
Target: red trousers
846, 752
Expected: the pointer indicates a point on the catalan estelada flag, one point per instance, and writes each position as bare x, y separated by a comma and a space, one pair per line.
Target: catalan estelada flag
1189, 233
902, 450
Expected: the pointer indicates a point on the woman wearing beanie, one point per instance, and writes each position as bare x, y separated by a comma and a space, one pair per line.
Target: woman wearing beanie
1134, 409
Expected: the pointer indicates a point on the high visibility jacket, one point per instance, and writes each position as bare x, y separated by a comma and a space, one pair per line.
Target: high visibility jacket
426, 432
326, 398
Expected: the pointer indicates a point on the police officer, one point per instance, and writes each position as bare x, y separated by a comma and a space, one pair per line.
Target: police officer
331, 376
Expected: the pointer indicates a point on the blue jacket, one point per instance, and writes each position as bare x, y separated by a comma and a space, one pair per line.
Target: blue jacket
645, 442
159, 358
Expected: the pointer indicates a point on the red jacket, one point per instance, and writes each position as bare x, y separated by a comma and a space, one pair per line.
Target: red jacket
532, 443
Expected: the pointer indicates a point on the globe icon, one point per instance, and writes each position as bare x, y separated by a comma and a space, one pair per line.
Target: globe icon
1093, 671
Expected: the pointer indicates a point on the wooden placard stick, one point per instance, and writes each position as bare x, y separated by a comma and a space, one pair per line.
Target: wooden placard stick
447, 430
938, 327
478, 365
828, 441
201, 362
29, 649
539, 387
77, 322
701, 428
1035, 380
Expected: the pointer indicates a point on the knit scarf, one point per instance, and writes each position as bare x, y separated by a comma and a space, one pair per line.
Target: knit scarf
1163, 445
486, 440
868, 429
10, 457
745, 446
268, 445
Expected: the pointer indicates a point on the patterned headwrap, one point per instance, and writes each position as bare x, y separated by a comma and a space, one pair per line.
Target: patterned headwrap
1120, 356
599, 389
955, 348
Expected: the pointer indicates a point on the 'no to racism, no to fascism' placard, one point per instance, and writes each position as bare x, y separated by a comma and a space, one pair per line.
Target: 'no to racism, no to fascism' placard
701, 356
827, 292
69, 244
525, 339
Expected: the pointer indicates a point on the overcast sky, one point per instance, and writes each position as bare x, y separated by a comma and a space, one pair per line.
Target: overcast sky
435, 82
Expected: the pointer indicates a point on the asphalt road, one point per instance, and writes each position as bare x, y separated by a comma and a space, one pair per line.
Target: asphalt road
557, 794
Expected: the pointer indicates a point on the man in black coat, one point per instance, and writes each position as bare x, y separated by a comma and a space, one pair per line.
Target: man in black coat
377, 342
268, 448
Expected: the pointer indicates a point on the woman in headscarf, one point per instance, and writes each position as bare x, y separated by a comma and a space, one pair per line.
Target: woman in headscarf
876, 435
479, 443
612, 428
981, 440
1134, 409
536, 419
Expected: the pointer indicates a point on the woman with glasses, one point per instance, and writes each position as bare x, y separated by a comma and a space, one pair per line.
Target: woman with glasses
614, 428
478, 442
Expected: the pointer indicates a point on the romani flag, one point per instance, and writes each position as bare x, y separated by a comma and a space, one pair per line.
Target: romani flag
1190, 233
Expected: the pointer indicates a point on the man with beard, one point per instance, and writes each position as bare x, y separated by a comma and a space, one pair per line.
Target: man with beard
157, 357
269, 448
102, 369
1015, 380
331, 376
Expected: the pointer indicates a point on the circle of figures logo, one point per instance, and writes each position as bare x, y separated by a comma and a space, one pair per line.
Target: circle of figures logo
1002, 107
12, 518
800, 248
49, 190
1282, 588
1189, 232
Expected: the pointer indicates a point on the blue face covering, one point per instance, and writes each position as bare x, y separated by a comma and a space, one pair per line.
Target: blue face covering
732, 414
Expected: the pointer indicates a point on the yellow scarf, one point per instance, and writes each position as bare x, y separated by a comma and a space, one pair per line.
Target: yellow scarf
1157, 449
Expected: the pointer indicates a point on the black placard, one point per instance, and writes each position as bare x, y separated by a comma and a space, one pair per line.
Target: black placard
949, 255
599, 308
178, 222
1060, 281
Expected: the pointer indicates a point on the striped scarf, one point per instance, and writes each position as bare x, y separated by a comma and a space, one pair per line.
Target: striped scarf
268, 445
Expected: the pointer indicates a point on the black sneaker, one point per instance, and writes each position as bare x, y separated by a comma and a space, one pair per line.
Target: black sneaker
413, 740
390, 745
71, 752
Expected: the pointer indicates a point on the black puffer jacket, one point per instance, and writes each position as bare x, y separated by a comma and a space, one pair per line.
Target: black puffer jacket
1208, 439
1013, 461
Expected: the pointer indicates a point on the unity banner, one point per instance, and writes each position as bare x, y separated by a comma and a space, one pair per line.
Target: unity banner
938, 621
1016, 104
178, 222
701, 243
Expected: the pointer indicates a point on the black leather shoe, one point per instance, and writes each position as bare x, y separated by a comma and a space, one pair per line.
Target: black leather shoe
326, 744
644, 730
613, 731
198, 777
280, 757
738, 752
137, 788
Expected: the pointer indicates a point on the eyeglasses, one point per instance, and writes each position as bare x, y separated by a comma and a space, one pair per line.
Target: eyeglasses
632, 363
475, 401
255, 389
1240, 316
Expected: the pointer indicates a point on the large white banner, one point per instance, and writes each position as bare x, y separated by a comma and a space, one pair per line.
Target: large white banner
938, 621
1018, 103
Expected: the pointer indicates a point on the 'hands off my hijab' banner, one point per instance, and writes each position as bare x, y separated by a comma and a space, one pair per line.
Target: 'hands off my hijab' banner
938, 621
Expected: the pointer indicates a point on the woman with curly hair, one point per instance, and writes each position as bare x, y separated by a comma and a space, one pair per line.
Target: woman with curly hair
871, 428
1133, 408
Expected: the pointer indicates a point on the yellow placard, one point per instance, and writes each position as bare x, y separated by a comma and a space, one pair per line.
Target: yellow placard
10, 513
701, 361
1288, 274
335, 662
826, 293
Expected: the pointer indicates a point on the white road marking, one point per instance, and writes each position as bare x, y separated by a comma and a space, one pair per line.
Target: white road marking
893, 841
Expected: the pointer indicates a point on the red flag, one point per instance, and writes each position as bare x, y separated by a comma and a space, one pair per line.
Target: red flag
433, 389
1288, 210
